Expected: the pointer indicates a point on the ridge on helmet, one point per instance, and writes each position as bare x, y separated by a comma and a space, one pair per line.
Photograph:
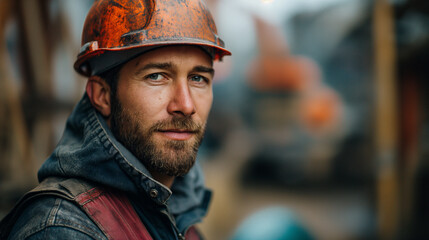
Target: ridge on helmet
117, 30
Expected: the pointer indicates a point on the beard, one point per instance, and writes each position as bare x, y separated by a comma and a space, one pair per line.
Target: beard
169, 157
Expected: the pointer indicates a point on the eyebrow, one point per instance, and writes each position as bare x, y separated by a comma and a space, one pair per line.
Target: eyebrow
204, 69
169, 66
164, 66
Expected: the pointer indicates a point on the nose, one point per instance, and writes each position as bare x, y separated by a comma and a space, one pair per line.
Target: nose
181, 102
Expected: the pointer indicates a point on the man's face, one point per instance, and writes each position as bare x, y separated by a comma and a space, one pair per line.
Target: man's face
160, 109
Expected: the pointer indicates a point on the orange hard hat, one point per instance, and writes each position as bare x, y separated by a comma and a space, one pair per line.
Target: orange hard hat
288, 73
117, 30
321, 109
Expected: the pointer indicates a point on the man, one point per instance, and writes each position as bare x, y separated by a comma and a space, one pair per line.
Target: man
124, 168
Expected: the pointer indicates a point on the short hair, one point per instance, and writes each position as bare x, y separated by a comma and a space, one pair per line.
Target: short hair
111, 77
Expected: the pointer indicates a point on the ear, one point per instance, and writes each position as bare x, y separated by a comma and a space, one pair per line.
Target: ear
99, 94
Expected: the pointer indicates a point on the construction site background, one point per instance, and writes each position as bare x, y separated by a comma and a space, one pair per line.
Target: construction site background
319, 122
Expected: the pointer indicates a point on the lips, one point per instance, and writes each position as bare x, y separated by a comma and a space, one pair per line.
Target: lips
178, 134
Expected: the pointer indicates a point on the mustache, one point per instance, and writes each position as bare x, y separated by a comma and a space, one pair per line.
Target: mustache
179, 123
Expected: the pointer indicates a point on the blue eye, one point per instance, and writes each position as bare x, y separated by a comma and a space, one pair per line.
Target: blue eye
154, 76
197, 78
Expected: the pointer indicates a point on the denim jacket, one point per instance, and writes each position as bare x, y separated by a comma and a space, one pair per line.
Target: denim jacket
89, 151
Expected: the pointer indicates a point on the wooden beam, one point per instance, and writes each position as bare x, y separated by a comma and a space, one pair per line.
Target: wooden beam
18, 151
386, 122
37, 42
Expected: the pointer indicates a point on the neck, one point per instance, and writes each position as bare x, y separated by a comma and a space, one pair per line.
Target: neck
164, 179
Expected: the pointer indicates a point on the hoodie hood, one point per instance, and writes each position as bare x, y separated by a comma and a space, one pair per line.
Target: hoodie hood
88, 150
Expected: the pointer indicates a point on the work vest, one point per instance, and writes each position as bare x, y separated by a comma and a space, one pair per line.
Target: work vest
110, 210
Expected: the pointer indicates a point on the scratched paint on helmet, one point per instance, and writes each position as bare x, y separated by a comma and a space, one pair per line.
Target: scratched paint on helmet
123, 24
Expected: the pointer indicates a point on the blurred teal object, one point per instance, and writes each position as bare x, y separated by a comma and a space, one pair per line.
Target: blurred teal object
273, 223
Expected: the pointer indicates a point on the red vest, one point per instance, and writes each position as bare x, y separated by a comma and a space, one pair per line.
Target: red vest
116, 217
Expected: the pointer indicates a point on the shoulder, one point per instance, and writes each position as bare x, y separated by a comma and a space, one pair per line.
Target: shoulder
54, 218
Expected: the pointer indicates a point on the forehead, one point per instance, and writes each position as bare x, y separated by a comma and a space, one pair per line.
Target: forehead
183, 54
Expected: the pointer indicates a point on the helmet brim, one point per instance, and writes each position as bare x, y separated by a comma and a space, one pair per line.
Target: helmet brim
97, 61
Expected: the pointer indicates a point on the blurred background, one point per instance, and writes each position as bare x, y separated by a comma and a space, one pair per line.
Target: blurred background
319, 127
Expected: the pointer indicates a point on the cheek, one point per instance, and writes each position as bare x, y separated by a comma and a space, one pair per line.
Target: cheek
204, 104
156, 101
147, 105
